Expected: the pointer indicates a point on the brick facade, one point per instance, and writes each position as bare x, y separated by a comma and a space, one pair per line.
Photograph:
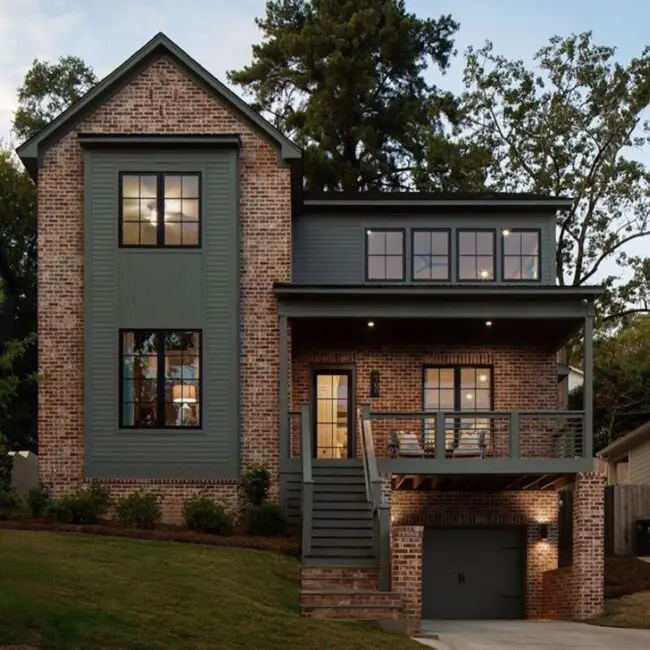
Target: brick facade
406, 571
161, 99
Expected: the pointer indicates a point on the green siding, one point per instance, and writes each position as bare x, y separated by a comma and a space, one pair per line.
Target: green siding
167, 289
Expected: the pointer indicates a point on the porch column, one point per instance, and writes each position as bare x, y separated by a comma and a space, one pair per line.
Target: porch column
588, 386
284, 388
588, 545
406, 572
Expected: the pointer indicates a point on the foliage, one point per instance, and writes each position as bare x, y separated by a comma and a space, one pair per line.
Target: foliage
85, 506
256, 483
201, 513
10, 504
139, 510
345, 79
570, 128
47, 90
6, 467
39, 501
265, 519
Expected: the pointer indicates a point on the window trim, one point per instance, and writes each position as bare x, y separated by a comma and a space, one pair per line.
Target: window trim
494, 254
414, 231
160, 395
539, 256
367, 253
160, 204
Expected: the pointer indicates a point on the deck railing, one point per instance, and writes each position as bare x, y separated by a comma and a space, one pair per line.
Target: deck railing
307, 478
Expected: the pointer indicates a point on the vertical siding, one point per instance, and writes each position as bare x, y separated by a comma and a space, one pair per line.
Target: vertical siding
173, 289
329, 248
640, 464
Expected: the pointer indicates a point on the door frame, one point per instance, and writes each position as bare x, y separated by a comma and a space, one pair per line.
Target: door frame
334, 369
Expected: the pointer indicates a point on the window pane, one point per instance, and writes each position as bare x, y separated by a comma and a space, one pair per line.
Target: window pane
446, 399
190, 233
131, 186
466, 243
148, 210
173, 209
467, 402
190, 209
467, 268
394, 267
439, 268
376, 267
485, 266
432, 377
394, 243
376, 243
483, 400
148, 236
431, 400
530, 243
485, 243
439, 243
148, 187
131, 233
530, 268
483, 378
173, 187
173, 234
447, 377
512, 243
191, 187
421, 268
468, 378
421, 242
512, 268
130, 210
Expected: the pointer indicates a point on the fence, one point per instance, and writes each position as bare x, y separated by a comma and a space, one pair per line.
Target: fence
624, 504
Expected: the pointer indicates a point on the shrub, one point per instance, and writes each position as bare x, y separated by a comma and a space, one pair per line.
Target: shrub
266, 519
201, 513
39, 501
6, 465
256, 483
83, 506
10, 504
139, 510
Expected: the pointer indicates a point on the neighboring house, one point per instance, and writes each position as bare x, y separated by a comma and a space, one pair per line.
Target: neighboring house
391, 357
628, 458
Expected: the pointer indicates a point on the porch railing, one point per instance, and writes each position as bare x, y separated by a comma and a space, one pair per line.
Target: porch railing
307, 505
380, 511
480, 434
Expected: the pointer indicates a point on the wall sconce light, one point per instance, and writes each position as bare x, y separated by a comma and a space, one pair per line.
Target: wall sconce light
543, 532
374, 383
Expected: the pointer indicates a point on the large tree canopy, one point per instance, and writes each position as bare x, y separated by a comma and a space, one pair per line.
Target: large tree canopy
345, 79
569, 127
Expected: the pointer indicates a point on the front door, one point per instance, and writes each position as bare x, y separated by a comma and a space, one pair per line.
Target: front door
333, 394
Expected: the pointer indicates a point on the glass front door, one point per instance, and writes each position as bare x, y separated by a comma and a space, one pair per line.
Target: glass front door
333, 426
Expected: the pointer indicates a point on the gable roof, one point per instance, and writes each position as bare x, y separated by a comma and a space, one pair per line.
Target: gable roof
624, 444
30, 150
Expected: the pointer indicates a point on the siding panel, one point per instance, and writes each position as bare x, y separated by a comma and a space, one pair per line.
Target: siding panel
640, 464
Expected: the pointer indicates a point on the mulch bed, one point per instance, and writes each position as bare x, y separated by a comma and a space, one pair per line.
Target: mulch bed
625, 575
165, 532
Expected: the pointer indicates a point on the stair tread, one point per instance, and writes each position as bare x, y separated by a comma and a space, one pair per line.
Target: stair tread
354, 606
348, 592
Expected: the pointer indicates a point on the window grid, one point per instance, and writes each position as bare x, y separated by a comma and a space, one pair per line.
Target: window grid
385, 254
431, 255
521, 255
476, 255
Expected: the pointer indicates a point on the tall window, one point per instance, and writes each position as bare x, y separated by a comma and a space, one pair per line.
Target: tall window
160, 210
160, 379
520, 254
431, 255
459, 390
385, 254
476, 254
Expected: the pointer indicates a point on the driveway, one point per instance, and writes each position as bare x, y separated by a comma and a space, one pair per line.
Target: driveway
531, 635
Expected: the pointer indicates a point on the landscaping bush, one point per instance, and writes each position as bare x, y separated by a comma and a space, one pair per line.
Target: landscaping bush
39, 502
6, 465
10, 504
201, 513
139, 510
256, 483
266, 519
83, 506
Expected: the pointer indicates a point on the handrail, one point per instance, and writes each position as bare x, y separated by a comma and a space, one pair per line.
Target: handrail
477, 414
307, 479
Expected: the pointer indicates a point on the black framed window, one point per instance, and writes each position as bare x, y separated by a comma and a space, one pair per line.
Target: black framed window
385, 254
160, 379
160, 210
521, 259
458, 390
476, 254
431, 255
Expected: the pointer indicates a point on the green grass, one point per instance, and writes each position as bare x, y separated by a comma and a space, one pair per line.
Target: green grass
80, 591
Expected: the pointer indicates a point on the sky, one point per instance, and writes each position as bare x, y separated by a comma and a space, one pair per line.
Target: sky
220, 33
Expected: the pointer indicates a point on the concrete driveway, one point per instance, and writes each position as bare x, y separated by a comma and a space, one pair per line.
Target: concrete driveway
531, 635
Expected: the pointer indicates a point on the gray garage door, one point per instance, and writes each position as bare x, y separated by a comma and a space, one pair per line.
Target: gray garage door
473, 573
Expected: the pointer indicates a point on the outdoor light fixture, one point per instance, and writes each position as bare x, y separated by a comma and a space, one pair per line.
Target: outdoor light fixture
488, 323
374, 383
543, 532
505, 232
371, 323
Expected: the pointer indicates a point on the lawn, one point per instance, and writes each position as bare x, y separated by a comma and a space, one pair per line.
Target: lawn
80, 591
627, 611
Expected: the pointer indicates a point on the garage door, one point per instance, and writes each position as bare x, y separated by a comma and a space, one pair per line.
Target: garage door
473, 573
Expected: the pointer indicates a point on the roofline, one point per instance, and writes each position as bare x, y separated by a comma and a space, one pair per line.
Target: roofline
29, 150
403, 201
622, 445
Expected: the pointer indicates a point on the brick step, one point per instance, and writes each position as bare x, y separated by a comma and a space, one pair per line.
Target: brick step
354, 612
368, 583
333, 571
341, 597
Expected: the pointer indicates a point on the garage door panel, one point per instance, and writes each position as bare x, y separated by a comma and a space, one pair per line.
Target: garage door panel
472, 573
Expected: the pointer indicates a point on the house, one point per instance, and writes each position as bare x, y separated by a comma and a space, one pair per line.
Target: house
391, 357
628, 458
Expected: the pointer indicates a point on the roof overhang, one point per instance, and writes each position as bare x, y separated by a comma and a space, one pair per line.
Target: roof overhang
623, 445
32, 150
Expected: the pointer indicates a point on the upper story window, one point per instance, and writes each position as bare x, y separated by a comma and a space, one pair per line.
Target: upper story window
521, 254
431, 255
160, 379
160, 210
385, 254
476, 254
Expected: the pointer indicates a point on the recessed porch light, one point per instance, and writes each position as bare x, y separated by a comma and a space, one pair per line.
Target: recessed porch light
488, 323
371, 323
505, 232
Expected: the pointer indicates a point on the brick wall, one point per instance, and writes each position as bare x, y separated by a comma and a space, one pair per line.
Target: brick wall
524, 378
161, 99
490, 509
406, 572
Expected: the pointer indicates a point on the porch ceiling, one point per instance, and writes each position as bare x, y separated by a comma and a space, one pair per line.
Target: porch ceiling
482, 483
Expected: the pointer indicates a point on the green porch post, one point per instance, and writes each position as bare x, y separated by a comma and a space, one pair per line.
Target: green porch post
284, 388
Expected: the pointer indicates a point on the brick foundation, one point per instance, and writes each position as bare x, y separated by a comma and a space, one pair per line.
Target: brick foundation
406, 572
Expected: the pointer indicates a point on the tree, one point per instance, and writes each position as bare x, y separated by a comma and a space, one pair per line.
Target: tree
570, 128
345, 80
47, 90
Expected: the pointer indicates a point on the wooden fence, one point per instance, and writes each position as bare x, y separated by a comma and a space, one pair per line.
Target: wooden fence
624, 504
